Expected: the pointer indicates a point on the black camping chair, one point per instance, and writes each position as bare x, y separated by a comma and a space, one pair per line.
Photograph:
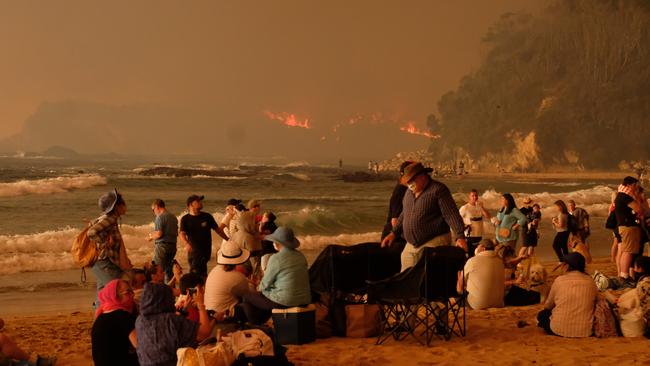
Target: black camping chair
423, 295
342, 270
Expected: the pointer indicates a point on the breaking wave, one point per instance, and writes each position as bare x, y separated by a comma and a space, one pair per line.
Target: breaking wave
50, 185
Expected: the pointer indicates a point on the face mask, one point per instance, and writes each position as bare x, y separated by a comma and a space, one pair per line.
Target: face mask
411, 186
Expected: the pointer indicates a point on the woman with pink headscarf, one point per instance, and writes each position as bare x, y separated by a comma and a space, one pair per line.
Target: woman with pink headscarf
114, 324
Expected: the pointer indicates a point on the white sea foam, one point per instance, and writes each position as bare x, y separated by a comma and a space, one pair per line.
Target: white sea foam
595, 200
50, 185
50, 250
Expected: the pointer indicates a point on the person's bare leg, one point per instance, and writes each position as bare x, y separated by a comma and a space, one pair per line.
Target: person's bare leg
626, 263
618, 258
531, 251
10, 349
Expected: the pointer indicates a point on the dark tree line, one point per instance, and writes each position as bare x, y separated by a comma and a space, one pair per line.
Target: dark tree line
578, 75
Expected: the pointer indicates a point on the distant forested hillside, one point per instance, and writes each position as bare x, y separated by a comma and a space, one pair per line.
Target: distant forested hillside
570, 85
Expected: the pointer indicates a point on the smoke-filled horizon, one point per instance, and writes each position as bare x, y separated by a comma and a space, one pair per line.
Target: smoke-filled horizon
310, 79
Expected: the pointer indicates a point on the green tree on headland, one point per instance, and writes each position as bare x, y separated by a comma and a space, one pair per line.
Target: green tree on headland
574, 80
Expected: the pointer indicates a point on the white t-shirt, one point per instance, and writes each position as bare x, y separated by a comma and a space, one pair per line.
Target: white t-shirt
223, 289
469, 212
485, 280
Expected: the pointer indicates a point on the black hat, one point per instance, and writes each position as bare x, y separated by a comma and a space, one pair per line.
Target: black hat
233, 202
194, 197
575, 261
629, 181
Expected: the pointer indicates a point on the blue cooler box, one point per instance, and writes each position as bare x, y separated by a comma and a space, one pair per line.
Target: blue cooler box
295, 325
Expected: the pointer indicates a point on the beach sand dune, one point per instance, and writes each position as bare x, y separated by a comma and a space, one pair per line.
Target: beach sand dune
493, 338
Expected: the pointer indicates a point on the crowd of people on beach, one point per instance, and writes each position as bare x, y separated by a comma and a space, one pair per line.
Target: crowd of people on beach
423, 212
143, 315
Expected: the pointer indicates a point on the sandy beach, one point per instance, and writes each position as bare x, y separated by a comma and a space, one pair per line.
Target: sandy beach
493, 337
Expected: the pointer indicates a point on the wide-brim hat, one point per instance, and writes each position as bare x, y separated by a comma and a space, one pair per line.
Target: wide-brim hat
231, 253
284, 235
528, 201
412, 170
107, 201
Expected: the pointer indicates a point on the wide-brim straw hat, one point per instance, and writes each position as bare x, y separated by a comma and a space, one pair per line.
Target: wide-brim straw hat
284, 235
231, 253
528, 201
413, 170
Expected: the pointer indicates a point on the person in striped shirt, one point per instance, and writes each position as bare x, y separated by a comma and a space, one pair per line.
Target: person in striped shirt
569, 308
428, 217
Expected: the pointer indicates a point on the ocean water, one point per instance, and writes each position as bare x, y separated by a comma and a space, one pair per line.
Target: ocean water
45, 202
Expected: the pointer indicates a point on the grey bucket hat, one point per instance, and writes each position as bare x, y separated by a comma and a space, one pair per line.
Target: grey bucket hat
284, 235
107, 201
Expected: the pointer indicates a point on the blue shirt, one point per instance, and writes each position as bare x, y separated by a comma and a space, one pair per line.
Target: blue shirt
508, 220
167, 224
286, 279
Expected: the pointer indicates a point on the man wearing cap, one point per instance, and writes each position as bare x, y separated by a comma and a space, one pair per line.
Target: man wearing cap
286, 279
428, 213
165, 235
473, 213
196, 233
569, 308
395, 204
226, 284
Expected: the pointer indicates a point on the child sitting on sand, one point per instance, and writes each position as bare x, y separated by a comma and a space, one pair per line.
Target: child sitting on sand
11, 354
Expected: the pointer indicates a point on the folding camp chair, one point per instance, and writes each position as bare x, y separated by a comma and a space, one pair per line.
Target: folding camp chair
425, 296
444, 306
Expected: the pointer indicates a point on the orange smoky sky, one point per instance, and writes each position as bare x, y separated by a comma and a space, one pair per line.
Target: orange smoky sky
210, 69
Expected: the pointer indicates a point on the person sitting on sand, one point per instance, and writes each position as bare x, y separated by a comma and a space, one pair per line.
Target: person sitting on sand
285, 282
160, 332
569, 308
226, 286
105, 232
12, 355
484, 277
185, 303
114, 322
154, 272
634, 305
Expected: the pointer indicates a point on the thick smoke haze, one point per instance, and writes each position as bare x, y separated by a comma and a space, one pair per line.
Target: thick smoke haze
210, 77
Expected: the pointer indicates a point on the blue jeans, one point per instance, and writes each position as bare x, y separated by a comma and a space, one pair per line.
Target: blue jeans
105, 271
163, 255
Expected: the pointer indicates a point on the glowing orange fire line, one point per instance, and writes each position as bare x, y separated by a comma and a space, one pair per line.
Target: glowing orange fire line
288, 119
410, 128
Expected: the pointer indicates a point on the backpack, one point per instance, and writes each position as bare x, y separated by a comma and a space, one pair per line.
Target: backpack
84, 251
572, 224
250, 343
